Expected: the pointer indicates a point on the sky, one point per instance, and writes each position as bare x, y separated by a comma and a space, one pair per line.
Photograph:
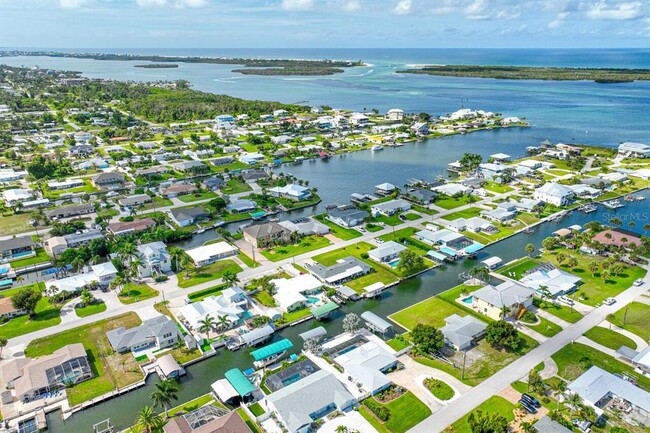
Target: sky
325, 23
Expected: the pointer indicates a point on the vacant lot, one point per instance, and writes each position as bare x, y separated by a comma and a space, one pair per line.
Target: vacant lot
494, 404
207, 273
306, 244
634, 318
45, 315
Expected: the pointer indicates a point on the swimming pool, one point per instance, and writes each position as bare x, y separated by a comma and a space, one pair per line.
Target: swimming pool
468, 300
312, 299
292, 379
394, 263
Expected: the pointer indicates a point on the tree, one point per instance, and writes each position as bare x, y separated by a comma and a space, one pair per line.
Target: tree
480, 272
26, 300
502, 335
186, 263
605, 274
470, 161
593, 268
535, 381
206, 324
574, 401
230, 278
223, 323
427, 339
530, 249
166, 391
550, 243
646, 227
572, 262
3, 343
558, 387
148, 421
409, 261
528, 427
312, 345
86, 296
505, 310
341, 429
484, 422
561, 257
351, 323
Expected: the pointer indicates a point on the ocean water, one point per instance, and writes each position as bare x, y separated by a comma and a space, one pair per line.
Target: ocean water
580, 112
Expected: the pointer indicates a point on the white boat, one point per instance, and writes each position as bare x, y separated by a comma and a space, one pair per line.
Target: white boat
613, 204
377, 148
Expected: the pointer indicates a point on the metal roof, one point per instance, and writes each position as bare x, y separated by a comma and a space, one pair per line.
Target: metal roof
324, 309
313, 333
238, 381
375, 321
272, 349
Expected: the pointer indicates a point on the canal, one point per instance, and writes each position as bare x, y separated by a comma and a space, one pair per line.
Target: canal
123, 410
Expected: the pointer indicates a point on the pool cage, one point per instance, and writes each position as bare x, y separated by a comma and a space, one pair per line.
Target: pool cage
203, 415
68, 373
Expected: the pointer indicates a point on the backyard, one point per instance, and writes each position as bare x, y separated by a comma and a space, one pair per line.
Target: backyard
45, 315
111, 370
466, 213
189, 198
306, 244
447, 202
207, 273
406, 412
40, 257
516, 269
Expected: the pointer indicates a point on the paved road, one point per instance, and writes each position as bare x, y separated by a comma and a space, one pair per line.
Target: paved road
520, 368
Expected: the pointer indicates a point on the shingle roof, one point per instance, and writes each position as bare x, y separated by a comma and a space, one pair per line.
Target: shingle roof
152, 328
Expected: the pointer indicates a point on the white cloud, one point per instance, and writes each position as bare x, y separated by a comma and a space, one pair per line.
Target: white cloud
623, 11
559, 20
150, 3
297, 5
191, 3
477, 10
351, 5
71, 4
403, 7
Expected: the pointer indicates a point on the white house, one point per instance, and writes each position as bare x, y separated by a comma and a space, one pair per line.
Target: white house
554, 193
557, 281
391, 207
638, 150
231, 304
251, 158
291, 294
207, 254
17, 195
154, 259
395, 115
386, 252
291, 191
359, 120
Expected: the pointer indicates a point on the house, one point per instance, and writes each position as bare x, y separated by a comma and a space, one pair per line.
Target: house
395, 115
500, 157
420, 129
222, 160
474, 224
499, 214
154, 259
556, 281
462, 333
105, 273
17, 195
179, 189
251, 158
432, 238
254, 175
213, 183
385, 189
190, 166
77, 239
359, 120
554, 193
493, 171
491, 301
80, 150
637, 150
451, 189
291, 191
342, 271
546, 425
297, 406
8, 311
241, 206
207, 419
389, 208
585, 191
231, 304
72, 284
291, 294
281, 139
17, 248
208, 254
108, 180
134, 200
187, 216
422, 195
617, 238
386, 252
138, 225
266, 234
30, 378
599, 389
70, 211
366, 365
306, 226
347, 216
65, 184
156, 333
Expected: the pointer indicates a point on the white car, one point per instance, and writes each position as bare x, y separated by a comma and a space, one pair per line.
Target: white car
609, 301
638, 282
566, 300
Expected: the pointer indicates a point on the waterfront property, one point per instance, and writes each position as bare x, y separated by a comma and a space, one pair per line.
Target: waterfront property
291, 192
130, 227
17, 248
187, 216
230, 305
292, 294
207, 419
462, 333
553, 193
556, 281
634, 150
508, 299
267, 234
347, 216
208, 254
341, 272
366, 365
387, 252
156, 333
154, 259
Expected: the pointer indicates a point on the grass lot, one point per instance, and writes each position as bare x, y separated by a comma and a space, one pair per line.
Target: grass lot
467, 213
247, 260
561, 311
40, 257
406, 412
91, 309
392, 220
574, 359
15, 224
527, 218
439, 389
423, 209
518, 268
595, 289
189, 198
295, 315
111, 370
609, 338
633, 318
264, 298
134, 292
234, 187
447, 202
45, 315
306, 244
207, 273
191, 405
398, 344
257, 409
431, 311
485, 238
202, 294
411, 216
249, 422
497, 187
406, 232
494, 404
546, 327
338, 231
380, 275
157, 202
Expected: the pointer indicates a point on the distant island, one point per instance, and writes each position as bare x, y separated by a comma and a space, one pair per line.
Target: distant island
259, 66
157, 65
598, 75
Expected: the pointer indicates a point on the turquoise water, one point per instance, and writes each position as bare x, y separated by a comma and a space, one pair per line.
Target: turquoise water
312, 300
394, 264
23, 254
292, 379
468, 300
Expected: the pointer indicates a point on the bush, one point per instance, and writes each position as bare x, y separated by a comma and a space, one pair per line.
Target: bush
161, 278
381, 412
528, 317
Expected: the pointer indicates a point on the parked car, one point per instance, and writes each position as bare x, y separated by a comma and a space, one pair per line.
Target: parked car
638, 282
529, 407
566, 300
532, 400
609, 301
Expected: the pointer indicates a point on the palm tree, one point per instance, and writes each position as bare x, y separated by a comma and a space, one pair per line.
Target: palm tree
134, 266
341, 429
646, 227
186, 263
505, 310
230, 278
574, 400
148, 421
166, 391
558, 387
605, 274
206, 324
593, 268
86, 296
176, 254
78, 264
223, 323
3, 343
528, 427
117, 283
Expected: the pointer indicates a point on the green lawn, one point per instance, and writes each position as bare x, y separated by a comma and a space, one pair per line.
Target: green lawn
406, 412
40, 257
494, 404
233, 186
249, 422
89, 310
207, 273
257, 409
423, 209
412, 217
447, 202
467, 213
595, 289
392, 220
294, 315
398, 343
497, 187
546, 327
563, 312
338, 231
608, 338
189, 198
157, 202
134, 292
634, 318
264, 298
306, 244
527, 218
431, 311
439, 389
406, 232
518, 268
202, 294
45, 315
574, 359
15, 223
110, 369
192, 404
247, 260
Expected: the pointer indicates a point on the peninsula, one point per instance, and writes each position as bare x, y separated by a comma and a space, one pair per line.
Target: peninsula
598, 75
261, 66
157, 66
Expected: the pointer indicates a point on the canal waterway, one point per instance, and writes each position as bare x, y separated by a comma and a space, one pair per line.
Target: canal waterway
123, 410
